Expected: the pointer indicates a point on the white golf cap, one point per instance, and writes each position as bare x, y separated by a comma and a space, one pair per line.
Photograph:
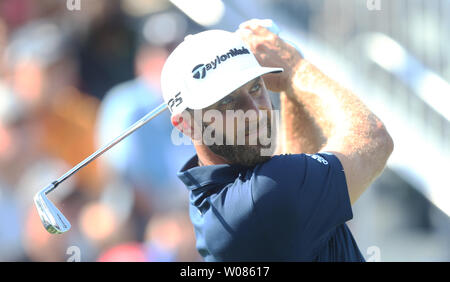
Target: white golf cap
205, 68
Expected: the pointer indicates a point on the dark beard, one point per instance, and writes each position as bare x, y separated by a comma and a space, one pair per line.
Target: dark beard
246, 155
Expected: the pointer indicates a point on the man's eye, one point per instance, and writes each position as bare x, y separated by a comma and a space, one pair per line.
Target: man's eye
255, 88
226, 101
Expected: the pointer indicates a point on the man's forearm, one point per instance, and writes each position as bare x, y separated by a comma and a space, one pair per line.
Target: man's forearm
336, 112
352, 131
299, 133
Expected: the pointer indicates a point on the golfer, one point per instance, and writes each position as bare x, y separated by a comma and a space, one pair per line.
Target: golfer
291, 204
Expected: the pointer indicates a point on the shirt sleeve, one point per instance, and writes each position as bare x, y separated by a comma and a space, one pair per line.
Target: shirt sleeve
300, 199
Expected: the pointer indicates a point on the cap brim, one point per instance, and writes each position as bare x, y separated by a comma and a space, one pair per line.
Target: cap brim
230, 84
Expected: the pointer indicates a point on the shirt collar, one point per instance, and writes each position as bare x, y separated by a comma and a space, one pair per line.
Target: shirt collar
194, 176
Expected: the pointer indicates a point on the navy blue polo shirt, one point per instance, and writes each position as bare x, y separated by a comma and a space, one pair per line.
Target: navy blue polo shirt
290, 208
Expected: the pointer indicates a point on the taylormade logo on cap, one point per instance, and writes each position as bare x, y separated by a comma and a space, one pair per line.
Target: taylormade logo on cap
186, 81
200, 70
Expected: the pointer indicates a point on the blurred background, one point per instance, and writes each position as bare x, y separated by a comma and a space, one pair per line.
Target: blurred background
74, 74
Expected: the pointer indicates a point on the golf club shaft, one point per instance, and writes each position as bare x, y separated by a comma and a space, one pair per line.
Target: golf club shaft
148, 117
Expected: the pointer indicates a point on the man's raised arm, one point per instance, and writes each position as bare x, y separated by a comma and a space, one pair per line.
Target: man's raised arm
331, 117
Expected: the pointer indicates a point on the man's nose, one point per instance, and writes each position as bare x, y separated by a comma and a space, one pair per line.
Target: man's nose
249, 103
251, 106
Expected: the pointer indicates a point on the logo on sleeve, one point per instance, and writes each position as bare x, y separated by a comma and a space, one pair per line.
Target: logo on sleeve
319, 159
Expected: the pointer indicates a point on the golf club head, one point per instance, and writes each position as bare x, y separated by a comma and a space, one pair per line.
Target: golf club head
52, 219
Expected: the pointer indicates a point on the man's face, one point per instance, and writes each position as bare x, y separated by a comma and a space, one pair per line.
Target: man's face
242, 133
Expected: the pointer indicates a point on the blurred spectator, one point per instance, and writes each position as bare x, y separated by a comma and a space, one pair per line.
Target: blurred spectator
69, 128
106, 55
3, 43
10, 230
46, 126
170, 237
147, 158
97, 221
15, 12
44, 76
127, 252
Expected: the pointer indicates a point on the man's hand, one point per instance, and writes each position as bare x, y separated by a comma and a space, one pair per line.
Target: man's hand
271, 51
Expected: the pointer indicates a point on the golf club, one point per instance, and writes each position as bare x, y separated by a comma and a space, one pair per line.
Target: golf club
52, 219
